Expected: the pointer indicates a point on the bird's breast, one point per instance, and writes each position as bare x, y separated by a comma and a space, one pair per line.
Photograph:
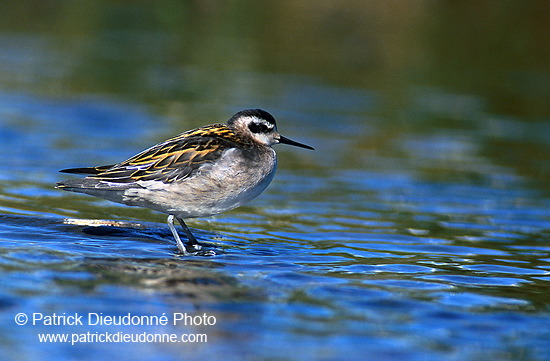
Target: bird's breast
238, 174
231, 181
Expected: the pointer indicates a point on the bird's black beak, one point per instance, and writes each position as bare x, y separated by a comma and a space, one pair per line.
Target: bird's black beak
284, 140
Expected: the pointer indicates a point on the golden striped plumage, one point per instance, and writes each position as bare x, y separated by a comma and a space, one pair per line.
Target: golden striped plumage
174, 159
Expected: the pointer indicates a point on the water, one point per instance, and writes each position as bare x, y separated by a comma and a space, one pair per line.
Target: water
417, 230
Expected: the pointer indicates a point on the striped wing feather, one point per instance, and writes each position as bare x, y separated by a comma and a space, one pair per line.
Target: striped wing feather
175, 159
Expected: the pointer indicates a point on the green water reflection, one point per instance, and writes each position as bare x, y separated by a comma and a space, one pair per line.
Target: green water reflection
496, 50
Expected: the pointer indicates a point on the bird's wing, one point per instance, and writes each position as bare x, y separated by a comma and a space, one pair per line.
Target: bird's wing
87, 170
174, 159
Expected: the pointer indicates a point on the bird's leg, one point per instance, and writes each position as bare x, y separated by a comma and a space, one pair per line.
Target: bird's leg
179, 243
191, 240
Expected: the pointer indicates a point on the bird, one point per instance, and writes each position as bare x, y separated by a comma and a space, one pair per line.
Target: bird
199, 173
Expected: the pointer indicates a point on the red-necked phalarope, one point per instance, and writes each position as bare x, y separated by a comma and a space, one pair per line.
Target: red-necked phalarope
199, 173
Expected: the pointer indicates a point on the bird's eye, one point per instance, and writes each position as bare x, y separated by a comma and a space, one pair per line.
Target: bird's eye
259, 127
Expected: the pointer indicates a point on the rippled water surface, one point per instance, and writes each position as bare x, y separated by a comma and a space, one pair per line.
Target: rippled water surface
418, 229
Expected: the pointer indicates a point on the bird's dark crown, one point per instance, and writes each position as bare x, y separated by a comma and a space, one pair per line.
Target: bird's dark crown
258, 120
